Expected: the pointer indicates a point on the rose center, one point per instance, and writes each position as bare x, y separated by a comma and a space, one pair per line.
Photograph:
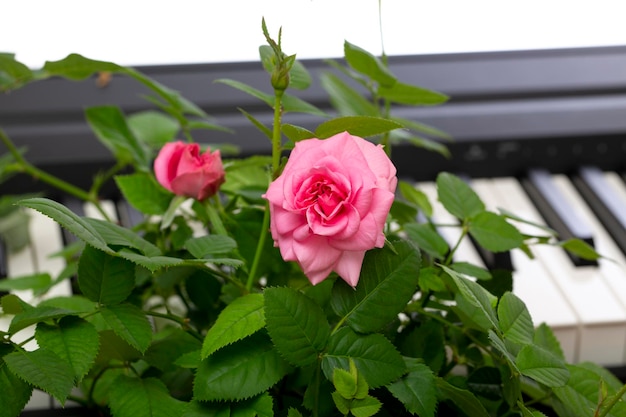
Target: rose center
325, 196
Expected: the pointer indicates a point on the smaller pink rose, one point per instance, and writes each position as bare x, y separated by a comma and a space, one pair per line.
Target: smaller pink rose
183, 170
330, 204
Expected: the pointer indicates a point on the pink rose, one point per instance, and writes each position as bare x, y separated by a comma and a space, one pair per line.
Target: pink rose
329, 205
182, 169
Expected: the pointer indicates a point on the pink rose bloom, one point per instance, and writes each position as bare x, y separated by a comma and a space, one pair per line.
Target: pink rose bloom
182, 169
329, 205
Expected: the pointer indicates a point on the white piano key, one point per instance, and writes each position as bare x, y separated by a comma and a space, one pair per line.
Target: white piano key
465, 252
532, 282
602, 316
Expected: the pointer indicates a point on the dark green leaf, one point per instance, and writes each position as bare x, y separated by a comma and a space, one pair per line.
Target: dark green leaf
296, 324
462, 398
43, 369
363, 126
494, 233
239, 319
103, 278
416, 390
366, 63
129, 323
471, 270
257, 123
239, 371
67, 219
173, 342
202, 247
147, 397
74, 340
457, 197
36, 315
427, 239
412, 95
143, 193
296, 133
374, 356
388, 281
13, 74
77, 67
116, 235
15, 391
545, 338
254, 92
415, 196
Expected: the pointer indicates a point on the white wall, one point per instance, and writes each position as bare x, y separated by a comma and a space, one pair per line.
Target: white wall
144, 32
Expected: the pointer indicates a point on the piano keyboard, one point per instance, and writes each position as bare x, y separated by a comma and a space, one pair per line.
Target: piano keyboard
584, 304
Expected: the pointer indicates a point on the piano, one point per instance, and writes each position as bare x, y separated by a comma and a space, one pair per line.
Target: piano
539, 133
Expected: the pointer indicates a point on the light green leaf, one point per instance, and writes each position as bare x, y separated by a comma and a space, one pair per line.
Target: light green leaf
293, 104
365, 407
457, 197
416, 196
144, 193
257, 123
13, 74
388, 281
109, 125
412, 95
43, 369
33, 282
366, 63
344, 382
545, 338
103, 278
427, 239
501, 347
462, 398
543, 366
153, 128
416, 390
297, 325
239, 371
77, 67
67, 219
148, 397
116, 235
374, 356
239, 319
129, 323
254, 92
363, 126
74, 340
515, 321
476, 295
296, 133
471, 270
202, 247
494, 233
345, 99
580, 248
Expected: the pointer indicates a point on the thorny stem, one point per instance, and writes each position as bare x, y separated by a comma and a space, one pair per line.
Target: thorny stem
614, 400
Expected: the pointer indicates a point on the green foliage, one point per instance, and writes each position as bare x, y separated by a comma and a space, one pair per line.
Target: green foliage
193, 311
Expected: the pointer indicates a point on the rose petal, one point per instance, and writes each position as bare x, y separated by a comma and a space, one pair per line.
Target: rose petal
348, 267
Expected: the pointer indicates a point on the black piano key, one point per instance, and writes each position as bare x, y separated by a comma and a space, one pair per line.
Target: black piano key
4, 260
555, 210
608, 207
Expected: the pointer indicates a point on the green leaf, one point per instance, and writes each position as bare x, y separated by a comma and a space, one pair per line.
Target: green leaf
476, 295
463, 399
257, 123
365, 407
109, 125
457, 197
154, 263
500, 346
494, 233
36, 315
77, 67
74, 340
239, 319
296, 324
344, 382
543, 366
296, 133
13, 74
103, 278
545, 338
146, 397
374, 356
581, 394
30, 282
254, 92
202, 247
415, 196
116, 235
144, 193
412, 95
153, 128
173, 342
416, 390
15, 391
43, 369
363, 126
129, 323
299, 77
67, 219
471, 270
515, 321
388, 281
427, 239
345, 99
239, 371
293, 104
580, 248
366, 63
